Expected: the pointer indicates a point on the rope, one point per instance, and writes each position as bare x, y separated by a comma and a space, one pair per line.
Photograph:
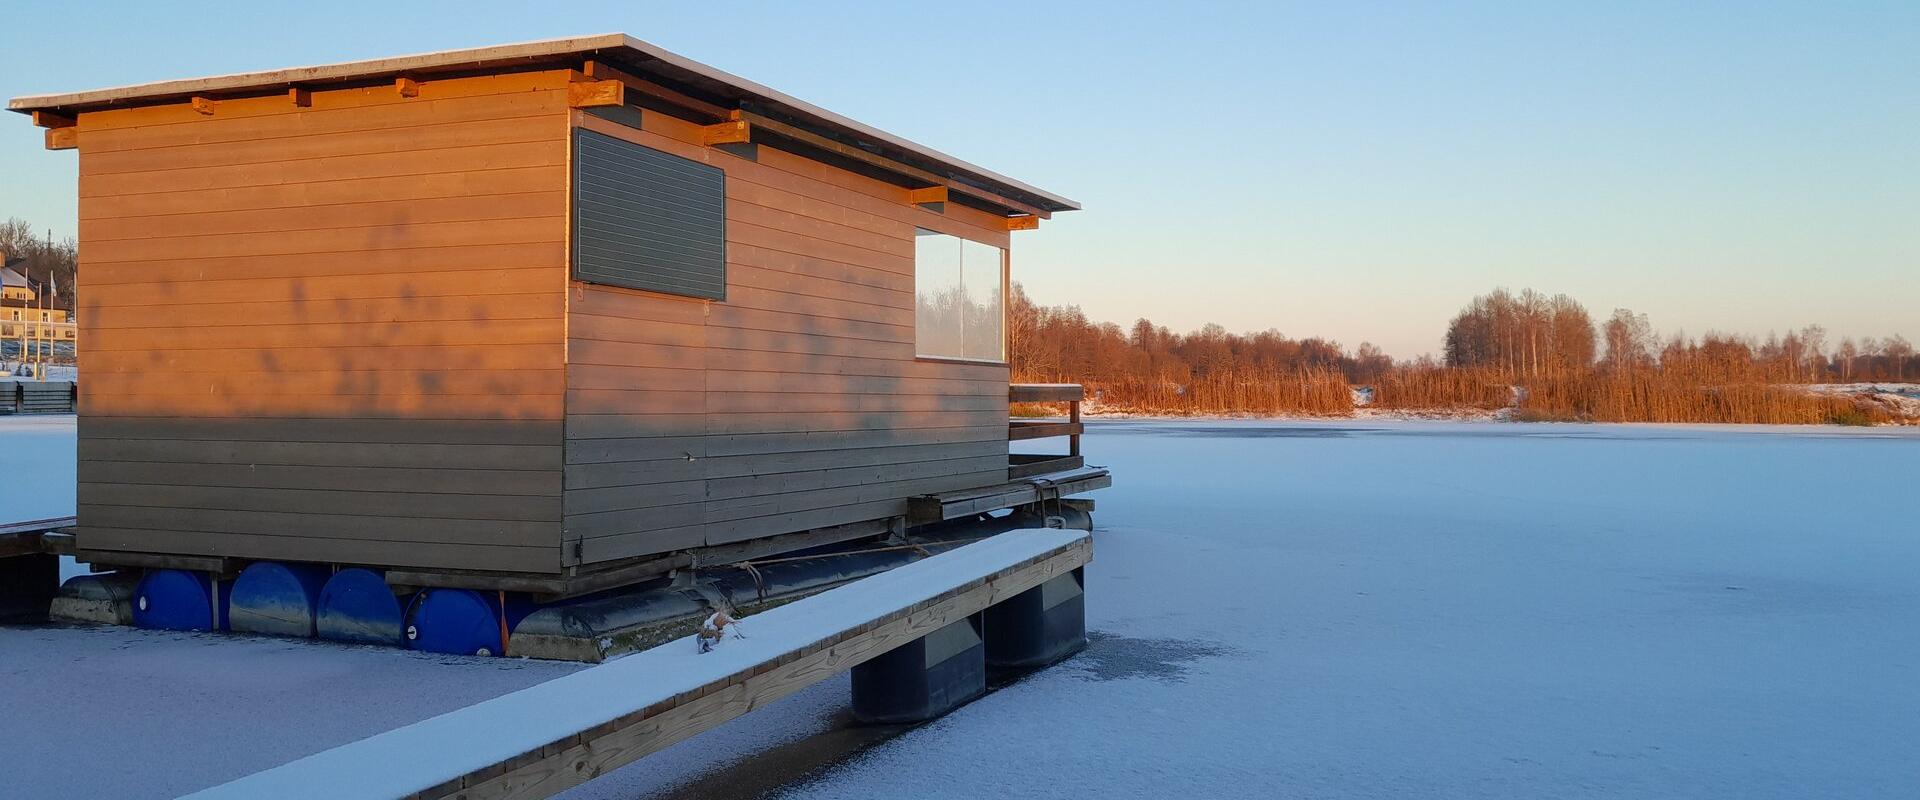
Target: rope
1040, 490
759, 582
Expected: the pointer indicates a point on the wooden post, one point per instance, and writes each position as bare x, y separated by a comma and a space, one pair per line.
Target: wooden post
1073, 440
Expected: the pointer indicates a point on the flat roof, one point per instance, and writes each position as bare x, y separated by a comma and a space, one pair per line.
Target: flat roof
643, 59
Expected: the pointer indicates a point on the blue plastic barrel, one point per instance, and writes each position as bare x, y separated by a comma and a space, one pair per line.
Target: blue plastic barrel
178, 600
461, 621
357, 605
276, 598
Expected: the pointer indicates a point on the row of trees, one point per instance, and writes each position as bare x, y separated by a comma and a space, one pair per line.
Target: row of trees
1530, 334
1542, 353
1512, 335
1059, 343
48, 262
1524, 334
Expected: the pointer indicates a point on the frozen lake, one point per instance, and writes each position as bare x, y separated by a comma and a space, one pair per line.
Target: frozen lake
1354, 609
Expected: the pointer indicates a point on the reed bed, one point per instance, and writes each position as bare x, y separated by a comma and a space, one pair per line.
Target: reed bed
1442, 388
1655, 396
1307, 392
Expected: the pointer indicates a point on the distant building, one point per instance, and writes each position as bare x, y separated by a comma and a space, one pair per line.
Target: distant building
19, 318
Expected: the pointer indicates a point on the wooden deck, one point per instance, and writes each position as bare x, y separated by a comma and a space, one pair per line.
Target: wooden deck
932, 508
36, 536
550, 737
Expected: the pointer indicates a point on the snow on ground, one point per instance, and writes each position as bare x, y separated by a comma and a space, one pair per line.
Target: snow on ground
1900, 398
1456, 610
117, 713
37, 471
14, 371
1330, 609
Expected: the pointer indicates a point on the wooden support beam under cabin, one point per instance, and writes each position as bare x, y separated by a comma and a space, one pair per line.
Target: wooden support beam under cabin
592, 94
600, 70
300, 97
545, 587
48, 119
216, 564
875, 160
24, 543
203, 105
927, 194
730, 132
66, 138
407, 87
1029, 223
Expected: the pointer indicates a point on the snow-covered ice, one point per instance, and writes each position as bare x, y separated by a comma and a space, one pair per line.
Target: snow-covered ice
117, 713
1340, 609
1467, 610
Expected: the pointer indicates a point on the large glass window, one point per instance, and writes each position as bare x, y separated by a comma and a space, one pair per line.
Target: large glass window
960, 307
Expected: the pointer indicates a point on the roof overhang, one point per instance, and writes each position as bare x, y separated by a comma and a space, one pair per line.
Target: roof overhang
642, 59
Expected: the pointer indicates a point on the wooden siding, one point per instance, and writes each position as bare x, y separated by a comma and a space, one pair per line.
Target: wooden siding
795, 403
331, 333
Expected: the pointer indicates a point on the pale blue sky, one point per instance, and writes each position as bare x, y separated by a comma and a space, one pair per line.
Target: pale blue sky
1350, 170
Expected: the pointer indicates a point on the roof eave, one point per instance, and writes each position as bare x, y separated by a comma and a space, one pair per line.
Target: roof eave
522, 55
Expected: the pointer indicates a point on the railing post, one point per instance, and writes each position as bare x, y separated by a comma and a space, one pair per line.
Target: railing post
1073, 441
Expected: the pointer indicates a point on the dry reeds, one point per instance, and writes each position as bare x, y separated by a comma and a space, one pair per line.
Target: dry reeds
1313, 392
1448, 388
1657, 396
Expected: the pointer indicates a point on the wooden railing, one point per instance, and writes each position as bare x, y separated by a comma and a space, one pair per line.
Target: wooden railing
1024, 465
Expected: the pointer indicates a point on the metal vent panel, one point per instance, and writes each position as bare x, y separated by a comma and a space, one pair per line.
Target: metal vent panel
644, 219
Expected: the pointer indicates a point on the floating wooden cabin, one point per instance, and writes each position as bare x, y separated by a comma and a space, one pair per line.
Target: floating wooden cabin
549, 316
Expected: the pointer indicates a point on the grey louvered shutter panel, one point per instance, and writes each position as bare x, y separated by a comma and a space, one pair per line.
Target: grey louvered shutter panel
644, 219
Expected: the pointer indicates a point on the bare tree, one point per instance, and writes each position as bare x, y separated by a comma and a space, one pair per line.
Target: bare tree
1898, 350
1630, 340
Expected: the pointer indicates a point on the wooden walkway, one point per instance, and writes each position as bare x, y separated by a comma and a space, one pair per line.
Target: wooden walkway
36, 536
546, 738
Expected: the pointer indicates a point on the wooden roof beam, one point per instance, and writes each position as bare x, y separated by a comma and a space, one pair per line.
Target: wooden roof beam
724, 132
593, 94
48, 119
1023, 223
600, 70
927, 195
736, 131
66, 138
875, 160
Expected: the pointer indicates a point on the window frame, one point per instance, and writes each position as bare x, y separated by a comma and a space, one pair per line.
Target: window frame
1006, 302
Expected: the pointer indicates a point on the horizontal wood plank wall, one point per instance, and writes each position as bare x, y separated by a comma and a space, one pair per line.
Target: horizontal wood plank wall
331, 333
796, 402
